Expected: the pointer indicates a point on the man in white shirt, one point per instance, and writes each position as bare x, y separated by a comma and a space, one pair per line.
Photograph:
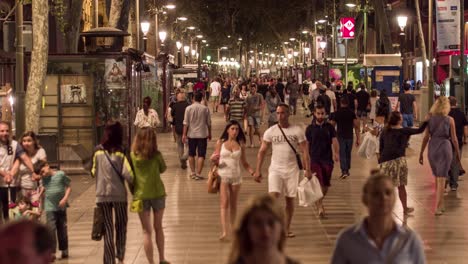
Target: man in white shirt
283, 173
215, 88
197, 132
10, 150
331, 94
147, 117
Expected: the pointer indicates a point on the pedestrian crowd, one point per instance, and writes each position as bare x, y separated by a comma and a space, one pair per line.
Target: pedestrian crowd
342, 117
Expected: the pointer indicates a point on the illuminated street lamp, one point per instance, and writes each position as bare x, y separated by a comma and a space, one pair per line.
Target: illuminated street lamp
145, 25
170, 6
179, 57
186, 52
306, 50
191, 28
323, 45
402, 23
182, 18
162, 37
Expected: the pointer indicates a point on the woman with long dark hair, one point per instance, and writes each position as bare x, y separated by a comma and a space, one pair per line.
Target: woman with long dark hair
392, 159
150, 194
229, 153
111, 169
35, 152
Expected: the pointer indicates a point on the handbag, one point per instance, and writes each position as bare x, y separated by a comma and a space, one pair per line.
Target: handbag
98, 224
309, 191
214, 180
298, 156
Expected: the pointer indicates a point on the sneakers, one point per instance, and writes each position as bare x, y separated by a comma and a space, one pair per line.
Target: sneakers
64, 254
344, 175
453, 189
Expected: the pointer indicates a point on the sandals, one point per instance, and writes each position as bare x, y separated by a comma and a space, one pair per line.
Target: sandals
408, 210
291, 234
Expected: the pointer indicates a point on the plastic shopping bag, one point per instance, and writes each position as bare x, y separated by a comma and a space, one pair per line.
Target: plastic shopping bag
368, 146
309, 191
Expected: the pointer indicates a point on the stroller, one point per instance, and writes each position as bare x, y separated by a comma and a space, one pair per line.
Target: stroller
33, 204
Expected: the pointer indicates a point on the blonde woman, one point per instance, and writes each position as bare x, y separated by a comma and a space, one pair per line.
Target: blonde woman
149, 194
260, 234
441, 135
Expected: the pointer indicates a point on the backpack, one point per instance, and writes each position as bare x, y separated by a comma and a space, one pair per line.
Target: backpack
382, 106
324, 100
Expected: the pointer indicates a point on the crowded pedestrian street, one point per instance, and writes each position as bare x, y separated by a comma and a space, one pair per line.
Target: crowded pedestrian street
192, 226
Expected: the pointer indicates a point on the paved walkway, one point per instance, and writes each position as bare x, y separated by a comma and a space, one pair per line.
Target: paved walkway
191, 220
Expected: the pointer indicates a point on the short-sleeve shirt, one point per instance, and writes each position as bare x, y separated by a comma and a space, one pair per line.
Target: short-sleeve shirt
150, 120
293, 89
320, 142
363, 98
215, 88
344, 119
24, 174
332, 97
198, 119
283, 157
236, 109
354, 246
406, 103
460, 122
55, 187
253, 103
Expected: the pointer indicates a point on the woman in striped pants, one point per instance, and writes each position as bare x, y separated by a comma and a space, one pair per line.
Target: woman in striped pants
111, 169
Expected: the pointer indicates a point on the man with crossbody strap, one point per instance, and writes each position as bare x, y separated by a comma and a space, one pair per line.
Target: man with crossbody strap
283, 173
323, 150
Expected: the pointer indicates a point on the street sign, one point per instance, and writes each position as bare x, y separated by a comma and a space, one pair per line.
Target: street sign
347, 27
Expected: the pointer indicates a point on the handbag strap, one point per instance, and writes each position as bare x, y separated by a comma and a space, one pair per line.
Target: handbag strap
113, 166
286, 138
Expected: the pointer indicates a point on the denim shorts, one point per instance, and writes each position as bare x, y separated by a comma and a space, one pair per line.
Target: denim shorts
253, 121
157, 204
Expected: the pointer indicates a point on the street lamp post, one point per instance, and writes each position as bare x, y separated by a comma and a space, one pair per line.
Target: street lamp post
402, 24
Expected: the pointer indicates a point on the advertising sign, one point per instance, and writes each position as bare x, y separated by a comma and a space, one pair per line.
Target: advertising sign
347, 27
448, 24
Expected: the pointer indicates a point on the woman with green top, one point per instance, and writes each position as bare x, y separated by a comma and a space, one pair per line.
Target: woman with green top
149, 194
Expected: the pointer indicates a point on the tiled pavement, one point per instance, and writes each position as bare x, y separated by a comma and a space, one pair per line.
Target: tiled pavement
191, 220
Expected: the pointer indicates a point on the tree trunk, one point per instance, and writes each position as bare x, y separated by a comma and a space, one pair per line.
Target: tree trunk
381, 15
38, 70
423, 43
115, 12
73, 12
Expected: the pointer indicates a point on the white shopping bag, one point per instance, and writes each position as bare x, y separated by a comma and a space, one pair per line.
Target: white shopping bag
369, 146
309, 191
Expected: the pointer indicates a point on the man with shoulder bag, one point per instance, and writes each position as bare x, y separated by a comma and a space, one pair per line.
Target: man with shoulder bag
287, 141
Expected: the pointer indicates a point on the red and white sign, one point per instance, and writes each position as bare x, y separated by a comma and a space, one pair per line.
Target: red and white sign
347, 27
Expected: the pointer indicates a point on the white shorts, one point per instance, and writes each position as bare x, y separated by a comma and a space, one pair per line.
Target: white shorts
277, 182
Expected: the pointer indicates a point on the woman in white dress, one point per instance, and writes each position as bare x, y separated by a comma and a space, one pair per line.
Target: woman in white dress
229, 153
